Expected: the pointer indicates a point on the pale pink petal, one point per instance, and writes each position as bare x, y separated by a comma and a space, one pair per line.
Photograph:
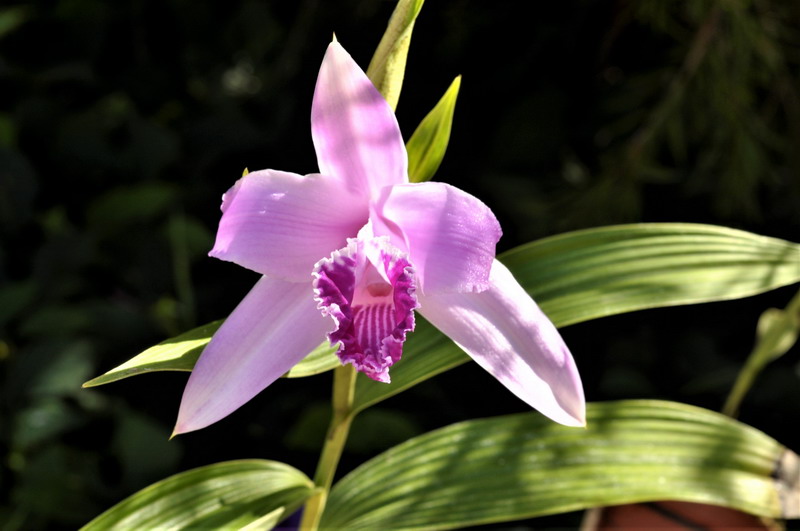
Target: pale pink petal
355, 132
280, 224
450, 235
270, 331
504, 331
368, 290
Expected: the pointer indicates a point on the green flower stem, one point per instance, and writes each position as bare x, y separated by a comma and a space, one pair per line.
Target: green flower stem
344, 380
775, 337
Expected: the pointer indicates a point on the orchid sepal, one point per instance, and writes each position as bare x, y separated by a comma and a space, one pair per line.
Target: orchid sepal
506, 333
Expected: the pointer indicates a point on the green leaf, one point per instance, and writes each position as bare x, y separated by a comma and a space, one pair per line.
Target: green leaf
388, 65
583, 275
231, 494
321, 359
521, 466
180, 353
593, 273
427, 146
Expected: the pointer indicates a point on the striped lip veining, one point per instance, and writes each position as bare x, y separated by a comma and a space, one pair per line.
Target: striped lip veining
368, 289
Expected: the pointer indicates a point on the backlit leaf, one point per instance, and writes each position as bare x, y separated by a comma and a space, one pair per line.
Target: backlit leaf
427, 146
227, 495
520, 466
180, 353
388, 65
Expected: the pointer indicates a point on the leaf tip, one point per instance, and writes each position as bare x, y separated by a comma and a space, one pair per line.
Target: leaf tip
91, 383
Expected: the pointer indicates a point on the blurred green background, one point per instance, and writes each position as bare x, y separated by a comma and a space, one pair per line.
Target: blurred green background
122, 123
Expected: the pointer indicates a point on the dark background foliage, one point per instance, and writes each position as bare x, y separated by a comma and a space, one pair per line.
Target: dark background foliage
122, 123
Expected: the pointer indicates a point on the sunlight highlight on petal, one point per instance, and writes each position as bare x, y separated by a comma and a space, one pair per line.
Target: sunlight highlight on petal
507, 334
449, 234
279, 224
355, 132
255, 346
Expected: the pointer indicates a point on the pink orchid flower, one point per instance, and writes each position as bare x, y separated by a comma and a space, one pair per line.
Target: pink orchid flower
352, 252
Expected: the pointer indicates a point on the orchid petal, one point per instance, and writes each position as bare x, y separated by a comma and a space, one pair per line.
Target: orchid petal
355, 132
280, 224
507, 334
259, 342
450, 235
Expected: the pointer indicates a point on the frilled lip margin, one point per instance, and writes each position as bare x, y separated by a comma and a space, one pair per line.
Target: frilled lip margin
368, 289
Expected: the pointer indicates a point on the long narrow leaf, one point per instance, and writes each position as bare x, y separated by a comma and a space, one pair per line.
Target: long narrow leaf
593, 273
223, 495
586, 274
520, 466
180, 353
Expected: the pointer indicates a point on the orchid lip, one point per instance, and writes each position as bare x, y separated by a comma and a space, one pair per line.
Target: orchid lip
368, 289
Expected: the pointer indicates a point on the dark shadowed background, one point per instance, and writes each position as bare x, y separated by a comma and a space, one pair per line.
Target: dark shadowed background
122, 123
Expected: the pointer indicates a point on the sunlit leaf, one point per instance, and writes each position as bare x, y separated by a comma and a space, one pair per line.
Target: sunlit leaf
180, 353
583, 275
521, 466
586, 274
321, 359
232, 494
427, 146
388, 65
